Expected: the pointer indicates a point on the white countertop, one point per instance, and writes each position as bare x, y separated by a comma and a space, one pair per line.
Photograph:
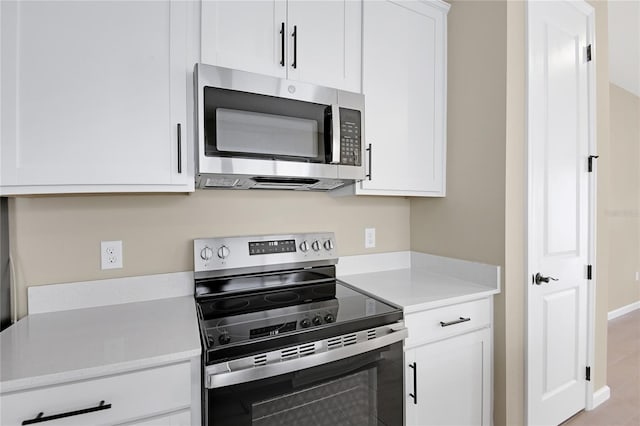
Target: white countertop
55, 347
73, 338
429, 282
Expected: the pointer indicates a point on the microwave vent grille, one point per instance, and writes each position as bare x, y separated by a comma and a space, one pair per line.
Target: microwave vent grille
221, 182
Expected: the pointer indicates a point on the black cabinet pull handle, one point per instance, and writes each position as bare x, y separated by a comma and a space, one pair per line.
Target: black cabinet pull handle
414, 395
179, 148
42, 418
295, 47
369, 150
458, 321
282, 43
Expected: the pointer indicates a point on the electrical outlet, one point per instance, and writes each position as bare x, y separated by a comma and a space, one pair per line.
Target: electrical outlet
638, 276
111, 254
369, 237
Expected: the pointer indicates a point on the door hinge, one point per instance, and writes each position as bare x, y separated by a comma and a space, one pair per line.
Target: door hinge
589, 53
589, 272
588, 374
591, 157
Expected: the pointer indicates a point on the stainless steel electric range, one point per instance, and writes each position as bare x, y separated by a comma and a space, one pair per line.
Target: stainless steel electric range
286, 343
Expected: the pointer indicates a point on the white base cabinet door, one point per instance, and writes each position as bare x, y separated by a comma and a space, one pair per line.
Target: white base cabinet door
449, 382
404, 83
94, 97
317, 42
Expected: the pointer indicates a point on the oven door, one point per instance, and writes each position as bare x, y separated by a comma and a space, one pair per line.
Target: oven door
363, 388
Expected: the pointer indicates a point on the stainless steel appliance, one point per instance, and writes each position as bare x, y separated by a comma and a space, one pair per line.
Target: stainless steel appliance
262, 132
286, 343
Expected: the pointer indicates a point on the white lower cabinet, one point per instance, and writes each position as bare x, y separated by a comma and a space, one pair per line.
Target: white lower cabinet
448, 376
161, 395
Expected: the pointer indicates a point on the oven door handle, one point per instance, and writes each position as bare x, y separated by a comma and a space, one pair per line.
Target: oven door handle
224, 374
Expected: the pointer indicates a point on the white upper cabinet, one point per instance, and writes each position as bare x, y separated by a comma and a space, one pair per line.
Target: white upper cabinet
313, 41
404, 83
245, 35
94, 97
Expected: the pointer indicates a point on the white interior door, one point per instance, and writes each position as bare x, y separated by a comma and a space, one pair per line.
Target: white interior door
558, 223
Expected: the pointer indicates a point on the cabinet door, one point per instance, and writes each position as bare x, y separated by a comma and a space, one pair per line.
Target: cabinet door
245, 35
453, 381
326, 48
92, 95
403, 80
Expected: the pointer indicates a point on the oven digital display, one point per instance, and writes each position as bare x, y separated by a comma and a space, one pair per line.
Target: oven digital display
270, 247
272, 330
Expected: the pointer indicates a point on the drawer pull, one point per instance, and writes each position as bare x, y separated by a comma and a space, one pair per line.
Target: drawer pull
458, 321
42, 418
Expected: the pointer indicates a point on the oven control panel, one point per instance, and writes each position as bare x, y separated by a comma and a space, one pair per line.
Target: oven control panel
221, 254
250, 326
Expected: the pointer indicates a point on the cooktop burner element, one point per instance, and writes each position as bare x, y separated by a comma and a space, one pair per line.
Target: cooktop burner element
256, 294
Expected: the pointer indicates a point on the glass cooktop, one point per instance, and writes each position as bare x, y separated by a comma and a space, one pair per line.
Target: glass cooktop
238, 325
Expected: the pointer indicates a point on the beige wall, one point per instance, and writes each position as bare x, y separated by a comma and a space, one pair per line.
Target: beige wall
515, 269
624, 198
469, 223
57, 239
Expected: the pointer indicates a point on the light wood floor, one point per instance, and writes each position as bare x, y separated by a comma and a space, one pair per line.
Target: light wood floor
623, 377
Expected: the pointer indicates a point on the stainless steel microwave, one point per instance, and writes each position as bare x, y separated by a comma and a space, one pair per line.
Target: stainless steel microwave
262, 132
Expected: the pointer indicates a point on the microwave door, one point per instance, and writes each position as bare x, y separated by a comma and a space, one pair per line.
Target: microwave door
250, 125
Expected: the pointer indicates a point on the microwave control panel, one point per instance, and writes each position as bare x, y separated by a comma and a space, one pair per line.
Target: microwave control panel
350, 137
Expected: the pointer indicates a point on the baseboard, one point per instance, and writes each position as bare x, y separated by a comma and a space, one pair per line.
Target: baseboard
600, 396
624, 310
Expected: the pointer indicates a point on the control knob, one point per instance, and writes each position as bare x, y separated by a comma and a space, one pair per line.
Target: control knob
315, 245
304, 246
317, 320
206, 253
328, 245
223, 252
305, 323
224, 339
329, 318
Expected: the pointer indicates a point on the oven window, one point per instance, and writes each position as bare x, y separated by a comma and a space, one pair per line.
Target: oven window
363, 390
347, 400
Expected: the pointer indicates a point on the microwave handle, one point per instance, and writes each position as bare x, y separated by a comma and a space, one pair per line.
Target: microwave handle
335, 134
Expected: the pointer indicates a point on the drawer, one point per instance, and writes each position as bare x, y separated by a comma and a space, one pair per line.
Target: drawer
132, 396
426, 326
